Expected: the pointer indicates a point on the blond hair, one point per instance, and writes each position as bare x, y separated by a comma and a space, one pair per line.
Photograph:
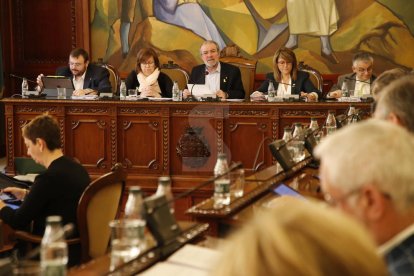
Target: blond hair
298, 237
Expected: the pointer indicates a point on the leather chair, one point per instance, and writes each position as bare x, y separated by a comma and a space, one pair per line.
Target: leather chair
231, 55
99, 204
114, 78
315, 76
176, 73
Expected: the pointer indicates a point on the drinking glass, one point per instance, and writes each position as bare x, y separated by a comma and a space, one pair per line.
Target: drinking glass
132, 93
237, 182
127, 240
61, 93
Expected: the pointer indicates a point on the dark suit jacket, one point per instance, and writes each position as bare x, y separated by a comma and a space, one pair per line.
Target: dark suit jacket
400, 259
230, 79
164, 82
351, 80
302, 83
96, 77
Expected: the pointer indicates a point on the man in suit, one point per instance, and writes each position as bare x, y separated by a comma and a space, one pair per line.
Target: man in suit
88, 79
366, 171
359, 82
221, 78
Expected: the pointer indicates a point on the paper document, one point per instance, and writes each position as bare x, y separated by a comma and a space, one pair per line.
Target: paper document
200, 91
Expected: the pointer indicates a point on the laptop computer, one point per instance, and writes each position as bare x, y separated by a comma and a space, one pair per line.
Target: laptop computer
51, 83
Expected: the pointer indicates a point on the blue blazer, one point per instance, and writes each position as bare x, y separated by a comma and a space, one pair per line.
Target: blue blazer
96, 77
302, 83
230, 79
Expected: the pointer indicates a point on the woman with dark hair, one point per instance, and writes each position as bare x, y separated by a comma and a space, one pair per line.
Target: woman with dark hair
287, 79
147, 76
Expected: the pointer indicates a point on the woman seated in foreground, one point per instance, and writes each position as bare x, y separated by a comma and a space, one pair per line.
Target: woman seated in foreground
287, 79
147, 76
297, 237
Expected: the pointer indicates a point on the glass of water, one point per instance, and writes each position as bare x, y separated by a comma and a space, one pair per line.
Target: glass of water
127, 240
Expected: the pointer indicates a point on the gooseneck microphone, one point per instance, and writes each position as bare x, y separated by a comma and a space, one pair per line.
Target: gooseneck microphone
354, 79
20, 77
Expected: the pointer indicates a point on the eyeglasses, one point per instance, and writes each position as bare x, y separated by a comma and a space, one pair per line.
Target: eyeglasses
147, 63
283, 63
363, 70
213, 51
335, 202
76, 65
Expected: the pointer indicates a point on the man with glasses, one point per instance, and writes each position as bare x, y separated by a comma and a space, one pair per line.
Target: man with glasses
359, 82
88, 79
221, 78
367, 172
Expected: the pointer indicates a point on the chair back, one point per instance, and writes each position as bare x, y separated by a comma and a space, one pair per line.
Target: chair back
315, 76
99, 204
176, 73
114, 78
25, 165
231, 55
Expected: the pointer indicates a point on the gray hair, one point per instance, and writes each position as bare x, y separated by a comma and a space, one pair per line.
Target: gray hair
210, 42
371, 152
362, 56
398, 98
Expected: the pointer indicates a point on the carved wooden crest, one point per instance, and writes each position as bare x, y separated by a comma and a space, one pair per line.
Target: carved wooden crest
193, 148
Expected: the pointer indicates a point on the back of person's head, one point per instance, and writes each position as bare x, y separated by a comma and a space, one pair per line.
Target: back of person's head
44, 127
362, 56
77, 52
372, 152
289, 56
297, 237
386, 78
397, 99
143, 55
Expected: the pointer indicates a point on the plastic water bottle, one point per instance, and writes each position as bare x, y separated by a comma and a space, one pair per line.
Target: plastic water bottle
123, 90
175, 92
271, 92
164, 188
222, 184
314, 124
134, 208
25, 87
298, 143
287, 134
351, 116
54, 250
330, 123
344, 89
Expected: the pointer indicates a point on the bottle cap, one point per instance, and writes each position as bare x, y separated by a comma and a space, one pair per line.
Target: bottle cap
135, 189
298, 124
287, 128
313, 119
222, 155
164, 180
51, 219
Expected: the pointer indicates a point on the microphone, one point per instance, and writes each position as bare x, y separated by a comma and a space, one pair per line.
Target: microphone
68, 229
354, 79
20, 77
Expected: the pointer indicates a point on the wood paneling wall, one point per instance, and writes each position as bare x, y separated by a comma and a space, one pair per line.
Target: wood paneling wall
38, 35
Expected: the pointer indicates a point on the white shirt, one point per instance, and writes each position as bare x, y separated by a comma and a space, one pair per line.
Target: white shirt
78, 84
213, 79
362, 88
396, 240
283, 89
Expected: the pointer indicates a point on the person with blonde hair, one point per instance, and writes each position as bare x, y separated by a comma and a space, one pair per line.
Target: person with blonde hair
367, 171
297, 237
386, 78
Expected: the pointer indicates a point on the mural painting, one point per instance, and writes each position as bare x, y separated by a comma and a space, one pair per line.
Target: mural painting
325, 34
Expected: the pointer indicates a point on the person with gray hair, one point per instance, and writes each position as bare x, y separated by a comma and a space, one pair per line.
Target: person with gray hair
222, 79
367, 171
359, 82
396, 103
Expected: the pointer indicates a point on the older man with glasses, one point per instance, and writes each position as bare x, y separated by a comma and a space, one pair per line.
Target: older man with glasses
367, 172
359, 82
87, 78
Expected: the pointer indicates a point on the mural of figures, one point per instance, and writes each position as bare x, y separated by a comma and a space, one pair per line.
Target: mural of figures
190, 16
325, 34
313, 17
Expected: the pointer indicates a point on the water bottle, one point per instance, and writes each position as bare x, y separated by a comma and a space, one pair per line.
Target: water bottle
175, 92
330, 123
134, 208
164, 188
314, 124
222, 184
54, 250
123, 90
287, 134
25, 87
351, 116
344, 89
271, 92
298, 143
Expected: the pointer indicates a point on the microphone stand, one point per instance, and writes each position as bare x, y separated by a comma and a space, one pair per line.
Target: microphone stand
191, 98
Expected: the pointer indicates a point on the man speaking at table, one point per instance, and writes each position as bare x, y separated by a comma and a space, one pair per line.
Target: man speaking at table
88, 79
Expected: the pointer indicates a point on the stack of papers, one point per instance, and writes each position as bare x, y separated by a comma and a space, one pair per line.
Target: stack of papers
85, 97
